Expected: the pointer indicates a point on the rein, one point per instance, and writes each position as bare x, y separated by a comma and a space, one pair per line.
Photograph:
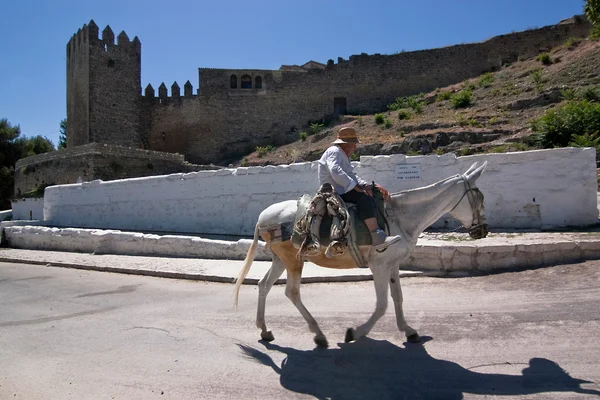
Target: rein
475, 231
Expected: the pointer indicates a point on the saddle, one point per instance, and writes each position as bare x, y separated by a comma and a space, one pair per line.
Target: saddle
325, 223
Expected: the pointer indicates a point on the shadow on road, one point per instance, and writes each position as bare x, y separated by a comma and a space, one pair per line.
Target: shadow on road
378, 369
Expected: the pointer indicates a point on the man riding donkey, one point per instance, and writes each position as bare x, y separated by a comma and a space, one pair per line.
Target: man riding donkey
335, 169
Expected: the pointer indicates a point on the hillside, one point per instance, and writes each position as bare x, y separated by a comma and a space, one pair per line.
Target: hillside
502, 106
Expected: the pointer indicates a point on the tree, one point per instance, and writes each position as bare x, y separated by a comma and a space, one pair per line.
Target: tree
592, 12
62, 138
12, 148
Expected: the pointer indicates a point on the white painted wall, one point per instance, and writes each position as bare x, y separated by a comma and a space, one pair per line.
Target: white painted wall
28, 209
535, 189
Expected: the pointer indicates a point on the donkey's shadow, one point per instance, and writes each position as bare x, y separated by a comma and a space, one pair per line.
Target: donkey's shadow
378, 369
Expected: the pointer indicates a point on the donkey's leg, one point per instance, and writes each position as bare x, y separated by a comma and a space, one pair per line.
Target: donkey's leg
292, 291
411, 334
380, 279
264, 286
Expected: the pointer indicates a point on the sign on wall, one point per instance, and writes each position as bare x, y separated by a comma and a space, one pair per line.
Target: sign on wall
406, 172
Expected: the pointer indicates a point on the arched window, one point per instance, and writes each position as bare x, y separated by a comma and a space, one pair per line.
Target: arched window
233, 82
258, 82
246, 82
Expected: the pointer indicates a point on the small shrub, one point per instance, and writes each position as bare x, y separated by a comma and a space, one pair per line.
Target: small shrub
303, 136
521, 146
462, 99
443, 96
474, 123
415, 102
461, 120
572, 42
404, 114
590, 94
538, 79
264, 150
567, 94
360, 121
493, 121
387, 123
401, 133
468, 85
316, 127
465, 151
498, 149
379, 118
544, 58
486, 80
244, 162
439, 151
354, 157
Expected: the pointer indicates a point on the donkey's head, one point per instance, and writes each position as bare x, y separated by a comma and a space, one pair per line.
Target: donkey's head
469, 208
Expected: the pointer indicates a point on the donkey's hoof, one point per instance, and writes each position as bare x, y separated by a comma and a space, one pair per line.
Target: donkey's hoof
350, 335
267, 336
414, 338
321, 342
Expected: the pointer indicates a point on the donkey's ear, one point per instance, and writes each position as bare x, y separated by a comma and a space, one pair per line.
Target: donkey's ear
474, 175
471, 168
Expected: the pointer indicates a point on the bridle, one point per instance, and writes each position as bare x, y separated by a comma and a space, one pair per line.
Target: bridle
479, 230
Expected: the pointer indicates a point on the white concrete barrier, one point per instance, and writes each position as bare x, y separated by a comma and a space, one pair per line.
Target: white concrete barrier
28, 209
539, 189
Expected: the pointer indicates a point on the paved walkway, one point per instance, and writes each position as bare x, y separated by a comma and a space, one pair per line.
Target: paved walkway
227, 270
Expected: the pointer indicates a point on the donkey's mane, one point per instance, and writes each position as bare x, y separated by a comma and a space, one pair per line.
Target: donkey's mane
415, 195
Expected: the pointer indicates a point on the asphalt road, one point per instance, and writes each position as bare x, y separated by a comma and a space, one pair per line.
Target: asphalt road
73, 334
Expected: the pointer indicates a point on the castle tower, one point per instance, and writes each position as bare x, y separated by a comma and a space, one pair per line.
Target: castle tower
103, 88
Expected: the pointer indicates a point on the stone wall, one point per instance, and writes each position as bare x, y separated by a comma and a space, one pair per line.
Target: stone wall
540, 189
220, 122
94, 161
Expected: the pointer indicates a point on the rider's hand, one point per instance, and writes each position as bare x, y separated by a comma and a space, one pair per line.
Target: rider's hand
365, 189
384, 192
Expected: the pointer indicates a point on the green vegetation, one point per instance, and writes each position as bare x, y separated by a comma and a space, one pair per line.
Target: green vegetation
462, 99
387, 123
264, 150
538, 79
316, 127
443, 96
592, 12
544, 58
415, 102
568, 94
62, 137
303, 136
559, 125
13, 148
590, 94
404, 114
486, 80
572, 42
379, 118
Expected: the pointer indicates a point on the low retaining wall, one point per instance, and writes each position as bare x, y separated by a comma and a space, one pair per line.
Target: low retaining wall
493, 253
539, 189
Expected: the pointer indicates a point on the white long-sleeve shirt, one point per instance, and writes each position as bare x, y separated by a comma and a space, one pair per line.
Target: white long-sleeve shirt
335, 168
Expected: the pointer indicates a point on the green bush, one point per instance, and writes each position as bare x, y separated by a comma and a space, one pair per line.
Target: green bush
415, 102
572, 118
590, 94
264, 150
462, 99
379, 118
538, 79
303, 136
443, 96
572, 42
568, 94
544, 58
316, 127
486, 80
387, 123
404, 114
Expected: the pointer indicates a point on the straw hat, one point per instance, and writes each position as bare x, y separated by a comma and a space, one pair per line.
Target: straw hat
346, 135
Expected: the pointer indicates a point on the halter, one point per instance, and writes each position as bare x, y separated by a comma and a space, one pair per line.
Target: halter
480, 230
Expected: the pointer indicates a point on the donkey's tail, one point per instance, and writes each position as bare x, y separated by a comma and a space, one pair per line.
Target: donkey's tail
247, 264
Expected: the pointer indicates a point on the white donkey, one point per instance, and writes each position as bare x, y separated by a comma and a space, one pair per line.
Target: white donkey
410, 212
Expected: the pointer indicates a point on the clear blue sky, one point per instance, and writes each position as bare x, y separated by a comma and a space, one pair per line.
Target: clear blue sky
178, 37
